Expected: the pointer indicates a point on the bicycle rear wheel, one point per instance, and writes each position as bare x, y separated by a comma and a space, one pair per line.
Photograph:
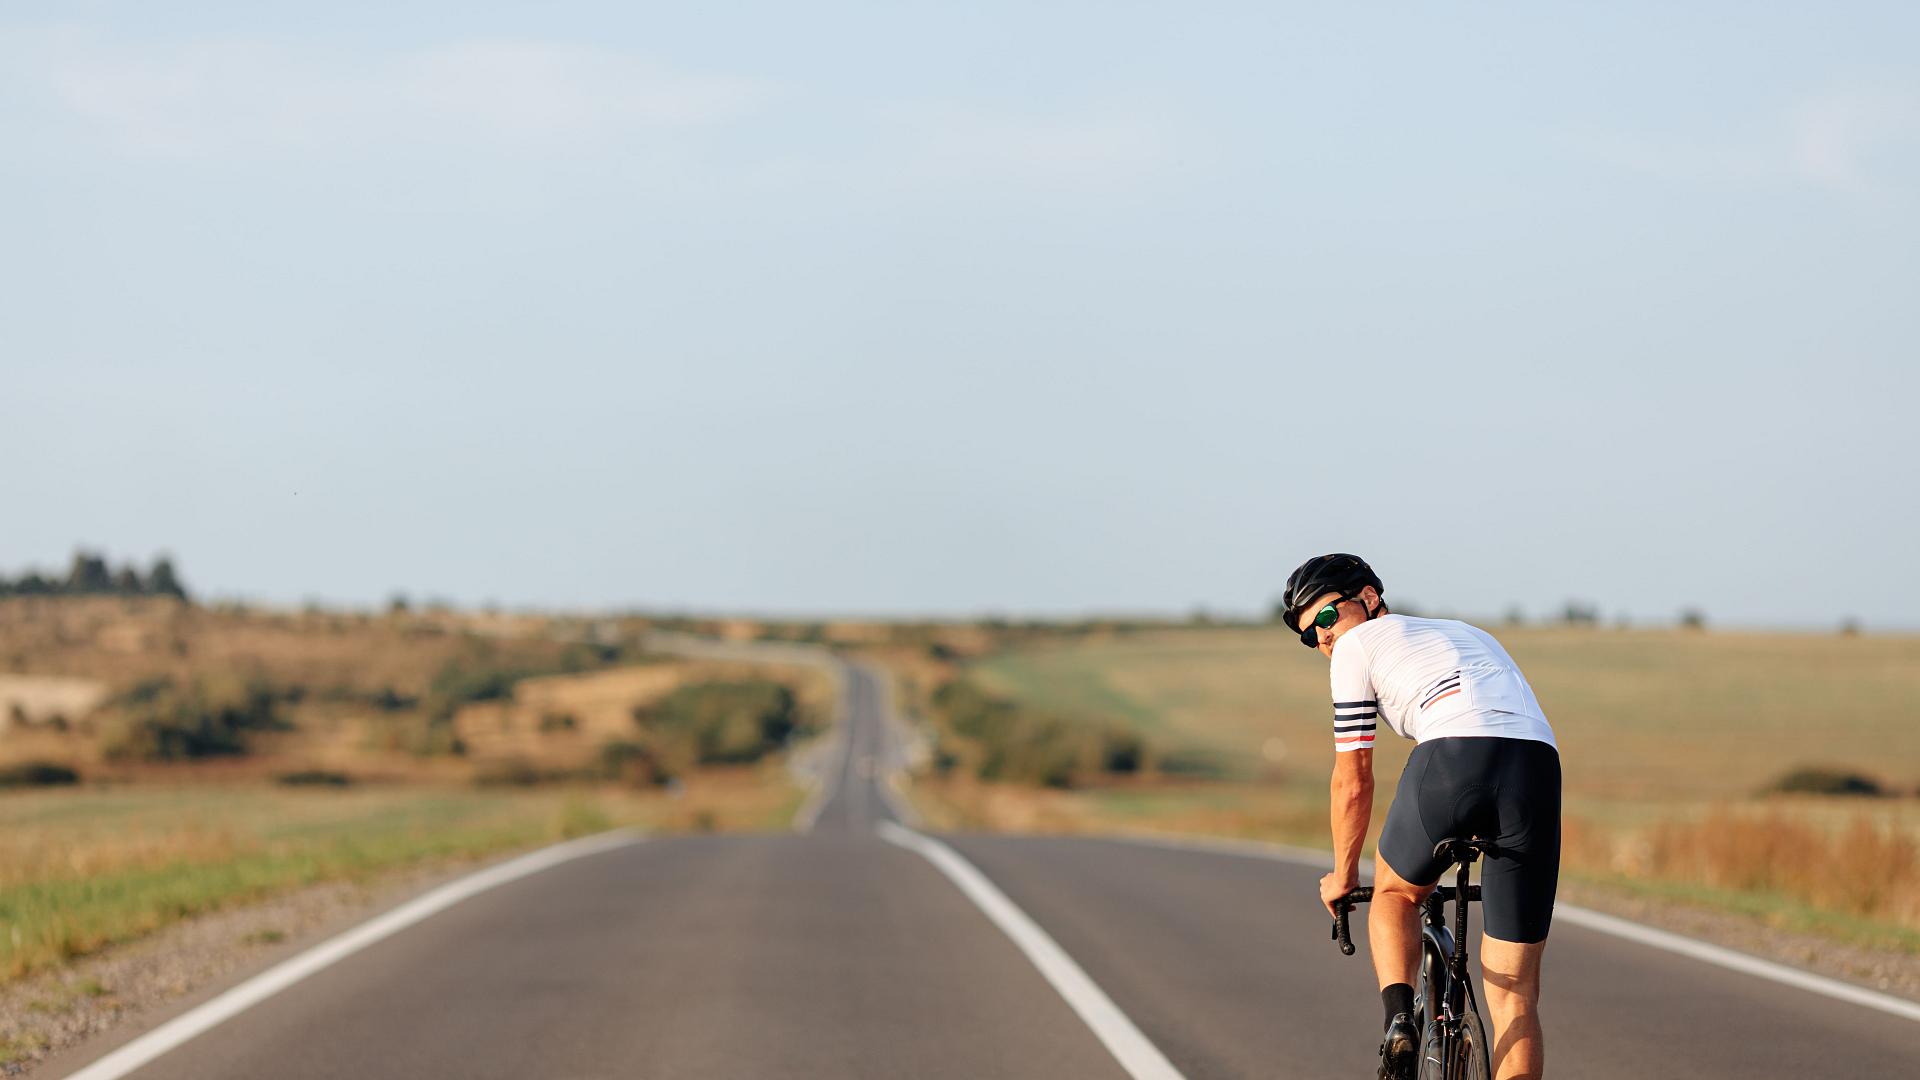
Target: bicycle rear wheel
1461, 1057
1471, 1047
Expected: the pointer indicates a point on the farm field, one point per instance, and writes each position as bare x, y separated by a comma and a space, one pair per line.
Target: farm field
1668, 740
159, 760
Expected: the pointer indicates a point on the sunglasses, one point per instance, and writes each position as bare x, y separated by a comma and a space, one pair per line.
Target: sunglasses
1310, 637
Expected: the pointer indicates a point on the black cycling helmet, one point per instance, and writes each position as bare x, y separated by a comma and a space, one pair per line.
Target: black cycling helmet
1320, 575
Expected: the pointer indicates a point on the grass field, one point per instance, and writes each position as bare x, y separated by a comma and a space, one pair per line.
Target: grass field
1667, 740
1638, 714
84, 868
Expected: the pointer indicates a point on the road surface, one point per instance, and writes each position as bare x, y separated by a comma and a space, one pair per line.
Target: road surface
834, 953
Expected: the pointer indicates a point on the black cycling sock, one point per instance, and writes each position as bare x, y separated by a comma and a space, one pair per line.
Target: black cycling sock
1398, 999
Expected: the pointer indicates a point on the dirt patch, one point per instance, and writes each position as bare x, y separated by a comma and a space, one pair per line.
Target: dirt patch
41, 699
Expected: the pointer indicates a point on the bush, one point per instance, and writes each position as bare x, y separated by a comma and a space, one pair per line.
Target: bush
1817, 780
509, 772
1028, 746
315, 778
632, 763
37, 774
162, 720
724, 722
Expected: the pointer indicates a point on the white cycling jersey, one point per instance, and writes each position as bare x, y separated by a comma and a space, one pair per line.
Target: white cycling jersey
1430, 679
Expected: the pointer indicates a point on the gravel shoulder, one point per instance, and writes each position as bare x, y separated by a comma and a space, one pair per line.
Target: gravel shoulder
1885, 970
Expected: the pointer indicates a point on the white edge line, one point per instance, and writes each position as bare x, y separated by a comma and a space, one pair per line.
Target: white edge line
1736, 961
277, 978
1588, 918
1134, 1052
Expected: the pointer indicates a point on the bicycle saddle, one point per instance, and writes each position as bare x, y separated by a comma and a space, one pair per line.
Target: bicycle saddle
1459, 849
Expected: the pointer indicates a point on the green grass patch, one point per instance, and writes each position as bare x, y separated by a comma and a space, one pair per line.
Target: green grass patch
92, 870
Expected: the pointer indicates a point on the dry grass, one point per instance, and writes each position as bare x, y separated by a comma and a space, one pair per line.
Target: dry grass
65, 656
158, 841
1666, 737
82, 869
1638, 713
560, 721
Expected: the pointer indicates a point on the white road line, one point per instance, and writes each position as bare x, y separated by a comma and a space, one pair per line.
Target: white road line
275, 979
1141, 1059
1578, 916
1736, 961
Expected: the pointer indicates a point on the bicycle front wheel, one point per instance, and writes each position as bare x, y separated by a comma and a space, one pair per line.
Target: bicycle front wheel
1435, 1050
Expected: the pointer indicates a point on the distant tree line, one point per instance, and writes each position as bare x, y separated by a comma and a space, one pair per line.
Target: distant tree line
90, 575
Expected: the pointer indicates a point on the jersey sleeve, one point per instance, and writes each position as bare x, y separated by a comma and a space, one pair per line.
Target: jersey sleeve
1356, 711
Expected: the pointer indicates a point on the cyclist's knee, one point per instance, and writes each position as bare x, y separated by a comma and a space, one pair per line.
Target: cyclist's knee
1512, 971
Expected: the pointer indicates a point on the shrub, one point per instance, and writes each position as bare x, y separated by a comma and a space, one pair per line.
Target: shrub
508, 772
37, 774
315, 778
724, 722
163, 720
1023, 745
1817, 780
632, 763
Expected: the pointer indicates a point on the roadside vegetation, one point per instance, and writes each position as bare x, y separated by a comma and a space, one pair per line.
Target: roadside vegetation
1773, 774
84, 869
161, 758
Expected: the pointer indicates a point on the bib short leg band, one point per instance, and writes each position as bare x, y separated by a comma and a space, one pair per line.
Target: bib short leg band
1504, 790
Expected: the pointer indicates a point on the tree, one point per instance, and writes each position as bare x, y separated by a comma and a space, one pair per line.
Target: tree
89, 574
163, 581
127, 581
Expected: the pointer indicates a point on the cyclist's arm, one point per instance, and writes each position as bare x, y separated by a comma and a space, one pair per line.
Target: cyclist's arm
1355, 716
1352, 794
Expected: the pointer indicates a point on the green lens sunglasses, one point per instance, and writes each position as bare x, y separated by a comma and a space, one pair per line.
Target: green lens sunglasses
1310, 637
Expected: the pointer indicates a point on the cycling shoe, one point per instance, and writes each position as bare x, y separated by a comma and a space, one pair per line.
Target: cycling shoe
1400, 1049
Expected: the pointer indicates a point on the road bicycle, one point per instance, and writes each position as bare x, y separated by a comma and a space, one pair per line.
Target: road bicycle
1453, 1041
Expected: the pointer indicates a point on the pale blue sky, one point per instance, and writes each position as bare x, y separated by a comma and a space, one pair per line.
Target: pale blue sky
902, 308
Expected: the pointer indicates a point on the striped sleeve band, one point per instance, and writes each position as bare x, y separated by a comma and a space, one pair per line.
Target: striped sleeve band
1353, 725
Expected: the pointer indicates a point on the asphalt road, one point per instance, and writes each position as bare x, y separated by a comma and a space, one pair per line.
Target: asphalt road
835, 954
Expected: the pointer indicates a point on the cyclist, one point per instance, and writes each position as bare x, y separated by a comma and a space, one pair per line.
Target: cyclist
1485, 765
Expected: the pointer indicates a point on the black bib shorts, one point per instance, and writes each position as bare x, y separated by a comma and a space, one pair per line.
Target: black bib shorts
1504, 790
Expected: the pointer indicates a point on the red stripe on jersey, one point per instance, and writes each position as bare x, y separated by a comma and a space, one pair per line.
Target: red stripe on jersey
1442, 697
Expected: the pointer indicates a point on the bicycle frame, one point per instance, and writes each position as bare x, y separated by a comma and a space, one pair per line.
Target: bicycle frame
1443, 949
1444, 957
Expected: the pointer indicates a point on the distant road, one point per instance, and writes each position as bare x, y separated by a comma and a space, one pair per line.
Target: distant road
833, 953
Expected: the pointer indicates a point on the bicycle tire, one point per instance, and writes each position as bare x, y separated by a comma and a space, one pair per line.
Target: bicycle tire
1429, 985
1471, 1047
1433, 1055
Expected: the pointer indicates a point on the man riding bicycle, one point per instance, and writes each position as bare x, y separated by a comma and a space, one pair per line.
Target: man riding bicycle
1486, 766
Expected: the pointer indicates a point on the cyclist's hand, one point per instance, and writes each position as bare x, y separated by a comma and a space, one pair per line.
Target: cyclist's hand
1333, 886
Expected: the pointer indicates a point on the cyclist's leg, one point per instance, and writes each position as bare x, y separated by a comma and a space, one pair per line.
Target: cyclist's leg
1393, 925
1512, 991
1404, 872
1519, 887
